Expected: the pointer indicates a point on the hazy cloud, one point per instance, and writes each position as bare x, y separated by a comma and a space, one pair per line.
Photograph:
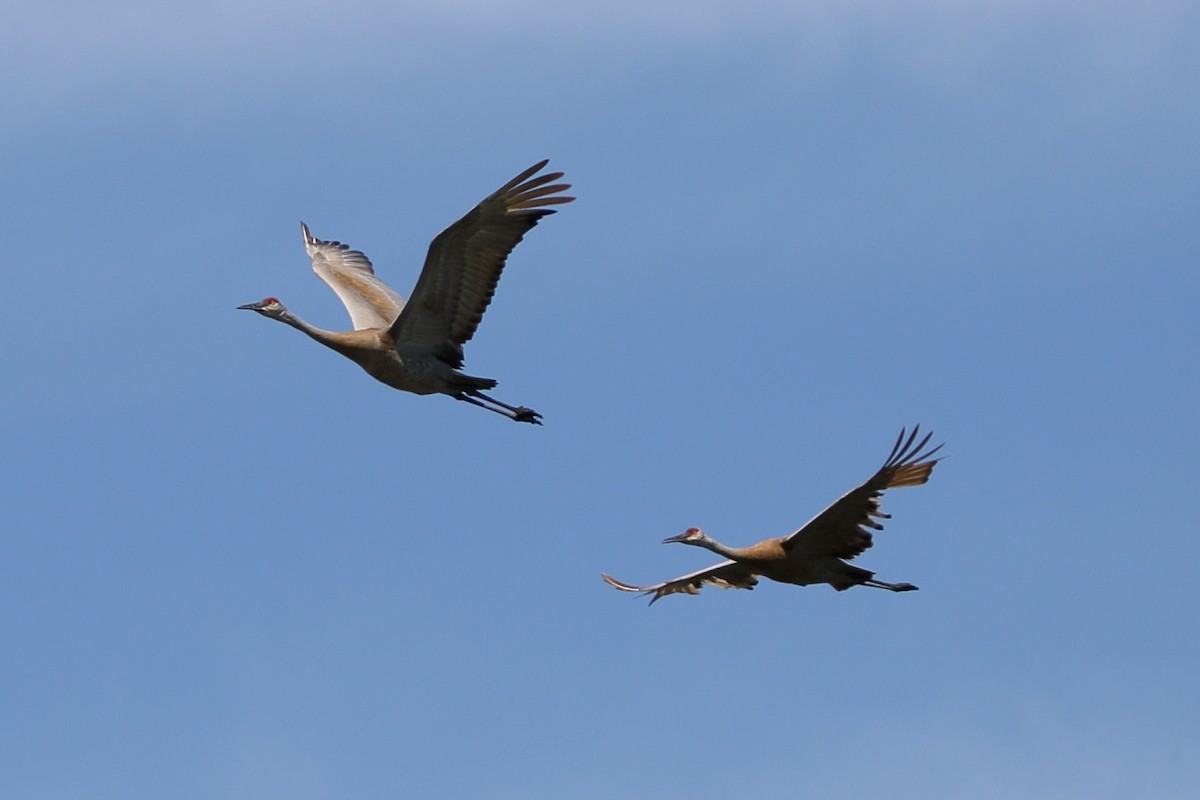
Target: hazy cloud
67, 51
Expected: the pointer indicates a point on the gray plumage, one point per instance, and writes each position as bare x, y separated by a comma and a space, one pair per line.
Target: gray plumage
418, 346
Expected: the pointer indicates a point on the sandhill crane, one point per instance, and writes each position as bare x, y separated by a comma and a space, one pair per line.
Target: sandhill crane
814, 553
417, 347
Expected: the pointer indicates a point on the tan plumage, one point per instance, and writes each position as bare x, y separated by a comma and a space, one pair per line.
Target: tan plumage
418, 346
814, 553
370, 302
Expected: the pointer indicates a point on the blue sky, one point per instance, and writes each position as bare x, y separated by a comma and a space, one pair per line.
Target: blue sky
237, 567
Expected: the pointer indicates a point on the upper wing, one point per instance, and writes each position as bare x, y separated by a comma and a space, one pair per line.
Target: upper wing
370, 301
465, 261
727, 575
841, 529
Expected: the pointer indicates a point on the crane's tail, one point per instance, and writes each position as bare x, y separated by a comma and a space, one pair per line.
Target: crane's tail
471, 384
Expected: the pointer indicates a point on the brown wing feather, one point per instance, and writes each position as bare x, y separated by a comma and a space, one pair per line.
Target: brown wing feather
464, 263
841, 529
727, 575
370, 302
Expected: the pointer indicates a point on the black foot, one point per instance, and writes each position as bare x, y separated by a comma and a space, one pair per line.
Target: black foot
904, 587
523, 414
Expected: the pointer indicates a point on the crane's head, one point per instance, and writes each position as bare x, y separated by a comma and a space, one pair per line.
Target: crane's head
268, 307
690, 536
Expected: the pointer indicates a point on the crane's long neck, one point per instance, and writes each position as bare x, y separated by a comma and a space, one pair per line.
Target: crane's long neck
327, 338
735, 553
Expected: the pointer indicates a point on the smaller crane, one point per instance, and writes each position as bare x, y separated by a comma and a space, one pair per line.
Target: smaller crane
418, 346
815, 552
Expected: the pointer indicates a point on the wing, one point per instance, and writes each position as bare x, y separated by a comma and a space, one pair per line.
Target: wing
370, 301
465, 261
841, 529
727, 575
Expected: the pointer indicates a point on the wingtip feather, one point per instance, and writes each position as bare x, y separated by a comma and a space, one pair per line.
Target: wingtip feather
517, 181
616, 584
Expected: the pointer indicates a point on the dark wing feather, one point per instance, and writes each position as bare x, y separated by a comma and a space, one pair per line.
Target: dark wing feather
727, 575
841, 529
465, 261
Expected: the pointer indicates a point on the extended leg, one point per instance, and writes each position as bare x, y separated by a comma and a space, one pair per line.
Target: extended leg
519, 413
895, 587
516, 413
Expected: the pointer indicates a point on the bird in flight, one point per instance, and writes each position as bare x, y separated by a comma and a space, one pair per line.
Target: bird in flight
418, 346
817, 552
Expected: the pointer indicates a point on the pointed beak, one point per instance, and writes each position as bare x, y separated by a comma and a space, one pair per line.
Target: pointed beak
671, 539
250, 307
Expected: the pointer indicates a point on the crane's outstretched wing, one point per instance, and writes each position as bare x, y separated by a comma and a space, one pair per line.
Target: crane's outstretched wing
727, 575
370, 301
841, 529
465, 261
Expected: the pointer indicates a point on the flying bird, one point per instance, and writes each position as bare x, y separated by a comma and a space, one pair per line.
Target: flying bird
418, 346
817, 552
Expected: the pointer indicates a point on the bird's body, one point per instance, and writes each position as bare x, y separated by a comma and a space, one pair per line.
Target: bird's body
418, 347
817, 552
770, 558
403, 367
